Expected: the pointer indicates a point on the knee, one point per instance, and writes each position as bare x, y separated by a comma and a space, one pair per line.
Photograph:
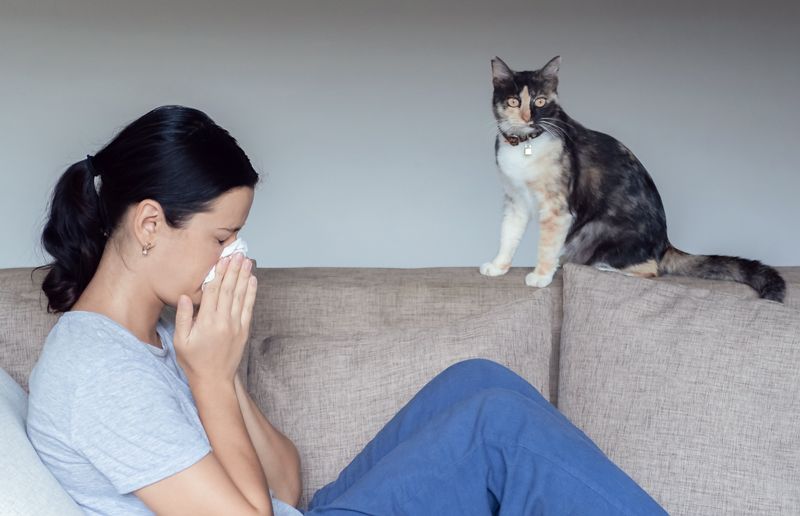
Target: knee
501, 399
498, 408
477, 369
470, 376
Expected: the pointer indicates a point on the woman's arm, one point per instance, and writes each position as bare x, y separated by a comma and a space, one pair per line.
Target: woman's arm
276, 452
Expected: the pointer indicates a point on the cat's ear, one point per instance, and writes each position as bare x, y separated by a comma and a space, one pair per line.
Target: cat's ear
550, 70
501, 73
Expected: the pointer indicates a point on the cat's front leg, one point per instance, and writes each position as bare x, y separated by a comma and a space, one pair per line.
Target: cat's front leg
515, 220
554, 224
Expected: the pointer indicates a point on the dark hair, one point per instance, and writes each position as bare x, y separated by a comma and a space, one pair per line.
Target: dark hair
175, 155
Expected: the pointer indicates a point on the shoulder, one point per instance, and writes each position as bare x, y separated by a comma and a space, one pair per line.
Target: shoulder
600, 145
81, 348
123, 393
93, 334
73, 348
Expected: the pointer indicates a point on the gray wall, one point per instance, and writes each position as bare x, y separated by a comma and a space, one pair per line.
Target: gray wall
371, 124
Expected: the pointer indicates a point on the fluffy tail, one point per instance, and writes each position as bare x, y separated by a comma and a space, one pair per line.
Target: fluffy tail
763, 278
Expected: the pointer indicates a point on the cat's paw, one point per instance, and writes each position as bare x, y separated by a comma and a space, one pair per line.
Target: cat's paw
490, 269
605, 267
534, 279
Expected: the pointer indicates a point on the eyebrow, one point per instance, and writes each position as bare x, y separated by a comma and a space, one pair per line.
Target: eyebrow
232, 230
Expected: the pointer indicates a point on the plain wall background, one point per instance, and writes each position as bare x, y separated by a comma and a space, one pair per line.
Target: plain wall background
370, 121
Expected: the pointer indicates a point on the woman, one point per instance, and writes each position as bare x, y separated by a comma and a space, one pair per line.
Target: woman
135, 415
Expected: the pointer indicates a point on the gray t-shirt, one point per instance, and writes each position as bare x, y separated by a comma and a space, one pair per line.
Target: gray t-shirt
109, 414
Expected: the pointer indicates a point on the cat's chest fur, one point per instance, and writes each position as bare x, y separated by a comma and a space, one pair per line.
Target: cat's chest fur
534, 173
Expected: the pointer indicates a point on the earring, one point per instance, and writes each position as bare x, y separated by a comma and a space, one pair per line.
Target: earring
147, 248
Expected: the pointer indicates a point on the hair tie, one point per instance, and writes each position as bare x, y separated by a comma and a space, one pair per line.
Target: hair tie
90, 166
98, 182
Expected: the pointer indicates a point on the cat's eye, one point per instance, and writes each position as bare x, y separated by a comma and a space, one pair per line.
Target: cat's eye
512, 101
540, 101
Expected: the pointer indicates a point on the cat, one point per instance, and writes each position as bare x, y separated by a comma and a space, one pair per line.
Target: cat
597, 204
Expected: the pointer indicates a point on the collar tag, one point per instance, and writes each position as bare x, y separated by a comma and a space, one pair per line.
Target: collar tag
527, 149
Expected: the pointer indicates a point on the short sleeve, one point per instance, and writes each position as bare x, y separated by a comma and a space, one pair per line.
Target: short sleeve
129, 423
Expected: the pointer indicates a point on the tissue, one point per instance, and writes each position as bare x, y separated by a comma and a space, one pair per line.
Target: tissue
235, 246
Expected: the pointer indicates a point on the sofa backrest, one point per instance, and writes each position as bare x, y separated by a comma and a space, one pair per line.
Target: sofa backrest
321, 299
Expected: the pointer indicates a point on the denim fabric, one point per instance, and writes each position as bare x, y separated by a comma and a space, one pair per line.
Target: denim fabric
479, 439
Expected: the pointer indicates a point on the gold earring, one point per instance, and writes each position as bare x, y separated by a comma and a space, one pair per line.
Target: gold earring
147, 248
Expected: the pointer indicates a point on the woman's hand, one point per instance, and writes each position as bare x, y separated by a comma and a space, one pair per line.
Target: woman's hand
210, 346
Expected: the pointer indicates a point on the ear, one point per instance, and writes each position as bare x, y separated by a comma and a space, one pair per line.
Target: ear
501, 73
147, 219
550, 70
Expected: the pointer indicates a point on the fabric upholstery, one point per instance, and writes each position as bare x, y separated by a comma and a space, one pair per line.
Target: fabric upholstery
694, 393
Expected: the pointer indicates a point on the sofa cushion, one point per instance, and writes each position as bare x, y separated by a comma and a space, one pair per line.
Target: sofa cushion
325, 300
693, 393
28, 486
24, 321
330, 394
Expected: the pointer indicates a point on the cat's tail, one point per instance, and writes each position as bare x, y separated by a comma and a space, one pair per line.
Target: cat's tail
763, 278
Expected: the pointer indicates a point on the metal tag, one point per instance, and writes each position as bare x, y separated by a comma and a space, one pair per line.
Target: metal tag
528, 150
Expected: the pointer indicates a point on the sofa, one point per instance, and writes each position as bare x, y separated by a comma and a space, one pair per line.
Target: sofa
691, 386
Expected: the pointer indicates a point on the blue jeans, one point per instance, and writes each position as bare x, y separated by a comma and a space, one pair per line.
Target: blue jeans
479, 439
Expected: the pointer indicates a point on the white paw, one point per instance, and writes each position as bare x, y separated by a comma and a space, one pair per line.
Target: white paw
605, 267
538, 280
490, 269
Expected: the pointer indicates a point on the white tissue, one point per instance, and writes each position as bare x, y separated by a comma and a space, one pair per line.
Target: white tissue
235, 246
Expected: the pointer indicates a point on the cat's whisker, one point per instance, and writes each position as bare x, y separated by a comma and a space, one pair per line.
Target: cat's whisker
553, 133
556, 122
550, 128
548, 131
564, 136
560, 130
555, 119
496, 128
551, 124
505, 126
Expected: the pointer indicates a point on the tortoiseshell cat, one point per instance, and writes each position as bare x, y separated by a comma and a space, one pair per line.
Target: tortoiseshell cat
597, 203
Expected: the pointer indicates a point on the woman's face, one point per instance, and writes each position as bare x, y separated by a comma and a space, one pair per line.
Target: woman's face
187, 254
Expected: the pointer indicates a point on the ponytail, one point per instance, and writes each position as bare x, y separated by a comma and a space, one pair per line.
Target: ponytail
75, 235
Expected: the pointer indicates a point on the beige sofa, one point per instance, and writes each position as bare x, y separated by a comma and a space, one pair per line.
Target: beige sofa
690, 385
